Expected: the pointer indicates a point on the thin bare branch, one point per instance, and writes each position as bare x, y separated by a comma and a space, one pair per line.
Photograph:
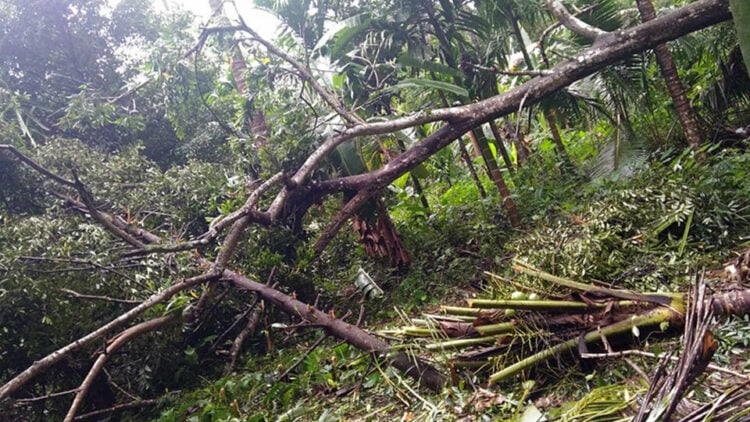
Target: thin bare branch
302, 358
124, 406
38, 167
46, 396
77, 295
571, 22
88, 262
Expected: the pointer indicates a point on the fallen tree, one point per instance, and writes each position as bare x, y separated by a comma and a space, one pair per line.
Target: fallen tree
292, 186
410, 365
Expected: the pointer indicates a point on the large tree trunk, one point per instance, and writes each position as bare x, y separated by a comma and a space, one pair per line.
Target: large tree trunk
672, 79
611, 48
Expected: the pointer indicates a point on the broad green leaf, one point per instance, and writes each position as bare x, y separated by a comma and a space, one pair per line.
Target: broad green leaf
338, 29
439, 68
428, 83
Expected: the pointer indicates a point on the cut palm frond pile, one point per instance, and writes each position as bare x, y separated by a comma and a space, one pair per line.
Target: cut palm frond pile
516, 336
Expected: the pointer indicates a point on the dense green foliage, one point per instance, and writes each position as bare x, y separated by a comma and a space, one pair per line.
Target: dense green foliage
151, 118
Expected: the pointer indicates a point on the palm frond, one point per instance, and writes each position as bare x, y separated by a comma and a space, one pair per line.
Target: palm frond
621, 157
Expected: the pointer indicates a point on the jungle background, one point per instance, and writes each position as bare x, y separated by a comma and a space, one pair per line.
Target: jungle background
388, 210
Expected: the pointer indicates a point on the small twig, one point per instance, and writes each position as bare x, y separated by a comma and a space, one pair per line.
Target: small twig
302, 358
361, 312
117, 408
45, 397
77, 295
118, 388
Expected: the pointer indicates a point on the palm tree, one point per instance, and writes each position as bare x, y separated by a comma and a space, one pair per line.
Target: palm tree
674, 84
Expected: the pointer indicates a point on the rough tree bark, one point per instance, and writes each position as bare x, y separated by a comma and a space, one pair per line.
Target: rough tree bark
672, 80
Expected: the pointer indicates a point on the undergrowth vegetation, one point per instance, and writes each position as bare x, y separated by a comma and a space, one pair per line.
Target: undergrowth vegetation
648, 232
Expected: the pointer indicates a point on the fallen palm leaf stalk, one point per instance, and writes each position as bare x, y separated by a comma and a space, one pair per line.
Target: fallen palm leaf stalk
514, 336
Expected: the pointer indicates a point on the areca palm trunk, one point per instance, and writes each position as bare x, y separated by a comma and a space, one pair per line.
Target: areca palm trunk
476, 136
496, 176
501, 146
547, 112
672, 80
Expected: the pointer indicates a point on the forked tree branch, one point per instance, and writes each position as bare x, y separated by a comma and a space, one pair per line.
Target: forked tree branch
46, 362
112, 346
411, 365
